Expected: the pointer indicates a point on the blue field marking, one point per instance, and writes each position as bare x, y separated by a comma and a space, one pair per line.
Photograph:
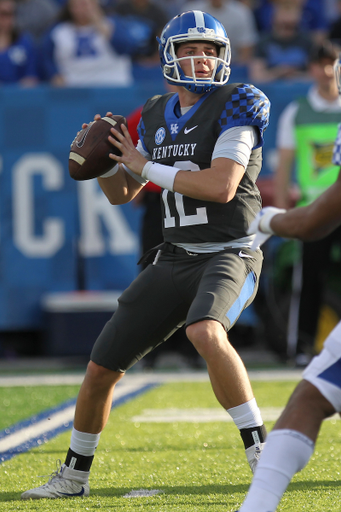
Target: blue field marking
37, 420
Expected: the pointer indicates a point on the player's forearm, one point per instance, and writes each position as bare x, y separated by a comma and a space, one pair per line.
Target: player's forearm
204, 185
311, 222
120, 188
282, 177
217, 183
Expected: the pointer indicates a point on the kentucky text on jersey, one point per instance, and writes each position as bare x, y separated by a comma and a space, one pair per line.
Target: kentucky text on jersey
173, 150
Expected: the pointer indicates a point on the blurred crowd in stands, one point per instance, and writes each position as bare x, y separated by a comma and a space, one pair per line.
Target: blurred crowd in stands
113, 42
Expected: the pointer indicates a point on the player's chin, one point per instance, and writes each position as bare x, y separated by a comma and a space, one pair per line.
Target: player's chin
203, 76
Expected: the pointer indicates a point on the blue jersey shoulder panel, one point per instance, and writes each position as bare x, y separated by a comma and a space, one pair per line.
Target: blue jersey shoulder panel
247, 106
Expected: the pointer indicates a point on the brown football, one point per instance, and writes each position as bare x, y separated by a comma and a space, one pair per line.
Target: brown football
89, 154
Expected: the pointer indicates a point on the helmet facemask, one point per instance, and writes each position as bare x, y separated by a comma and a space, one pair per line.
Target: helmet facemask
171, 64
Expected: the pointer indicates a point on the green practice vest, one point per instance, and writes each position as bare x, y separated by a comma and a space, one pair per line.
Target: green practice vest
315, 134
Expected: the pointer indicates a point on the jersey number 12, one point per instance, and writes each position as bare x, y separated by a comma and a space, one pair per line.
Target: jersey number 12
184, 220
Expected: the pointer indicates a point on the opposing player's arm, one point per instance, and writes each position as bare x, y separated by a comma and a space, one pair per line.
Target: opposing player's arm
282, 179
314, 221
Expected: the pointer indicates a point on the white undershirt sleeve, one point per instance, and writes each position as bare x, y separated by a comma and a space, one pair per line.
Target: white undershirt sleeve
236, 144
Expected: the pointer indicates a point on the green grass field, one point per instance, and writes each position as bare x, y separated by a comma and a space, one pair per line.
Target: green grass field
196, 466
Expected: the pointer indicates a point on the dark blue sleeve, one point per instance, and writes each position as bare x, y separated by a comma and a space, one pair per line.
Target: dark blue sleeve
248, 106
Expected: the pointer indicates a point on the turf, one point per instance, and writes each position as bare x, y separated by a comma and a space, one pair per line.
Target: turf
19, 403
196, 465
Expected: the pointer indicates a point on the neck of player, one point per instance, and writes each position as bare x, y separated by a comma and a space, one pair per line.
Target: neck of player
187, 98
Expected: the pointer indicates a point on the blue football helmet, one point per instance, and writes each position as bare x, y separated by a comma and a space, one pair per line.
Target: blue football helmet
194, 26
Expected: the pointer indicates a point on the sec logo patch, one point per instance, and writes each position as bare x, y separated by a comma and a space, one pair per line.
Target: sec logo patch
160, 136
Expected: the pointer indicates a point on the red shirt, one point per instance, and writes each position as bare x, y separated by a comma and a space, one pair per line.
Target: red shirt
133, 120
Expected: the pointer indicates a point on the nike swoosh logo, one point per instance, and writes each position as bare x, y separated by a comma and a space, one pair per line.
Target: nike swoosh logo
187, 130
244, 255
81, 141
73, 494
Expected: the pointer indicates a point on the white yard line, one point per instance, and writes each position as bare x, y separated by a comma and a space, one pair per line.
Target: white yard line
196, 415
60, 379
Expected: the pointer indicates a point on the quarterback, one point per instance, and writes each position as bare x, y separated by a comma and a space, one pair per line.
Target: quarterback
292, 440
203, 146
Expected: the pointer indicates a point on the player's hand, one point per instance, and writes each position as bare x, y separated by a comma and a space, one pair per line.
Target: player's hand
85, 125
260, 226
96, 118
130, 156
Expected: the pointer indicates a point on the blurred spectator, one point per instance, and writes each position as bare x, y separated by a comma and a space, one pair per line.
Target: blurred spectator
334, 34
238, 21
306, 133
332, 10
172, 7
18, 57
88, 48
283, 53
312, 16
36, 16
146, 12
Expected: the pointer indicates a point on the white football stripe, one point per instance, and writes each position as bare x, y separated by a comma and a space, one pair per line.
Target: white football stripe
199, 19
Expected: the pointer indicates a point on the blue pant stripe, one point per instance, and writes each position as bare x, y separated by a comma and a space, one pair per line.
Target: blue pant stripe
246, 292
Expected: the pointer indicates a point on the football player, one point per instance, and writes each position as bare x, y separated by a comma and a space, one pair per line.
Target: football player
203, 147
318, 396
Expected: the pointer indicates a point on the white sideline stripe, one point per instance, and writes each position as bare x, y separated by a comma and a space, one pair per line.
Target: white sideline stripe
55, 421
41, 380
38, 429
66, 379
197, 415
